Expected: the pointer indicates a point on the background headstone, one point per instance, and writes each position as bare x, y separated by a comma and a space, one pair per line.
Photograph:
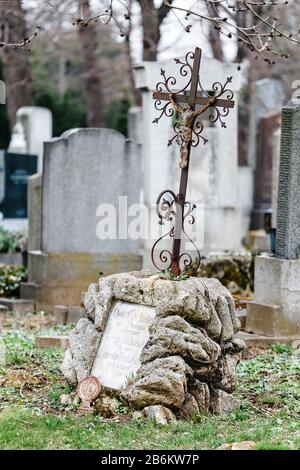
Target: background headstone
268, 96
263, 171
82, 169
267, 99
276, 307
38, 127
17, 169
18, 142
288, 208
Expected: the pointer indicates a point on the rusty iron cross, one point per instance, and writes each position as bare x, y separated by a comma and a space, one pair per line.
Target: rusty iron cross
175, 208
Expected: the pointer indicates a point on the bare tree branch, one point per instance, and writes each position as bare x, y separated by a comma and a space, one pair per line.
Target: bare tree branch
262, 33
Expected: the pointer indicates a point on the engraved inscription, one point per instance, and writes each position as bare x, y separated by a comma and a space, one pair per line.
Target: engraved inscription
125, 335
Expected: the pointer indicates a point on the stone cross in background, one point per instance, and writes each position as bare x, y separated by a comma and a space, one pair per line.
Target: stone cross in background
187, 135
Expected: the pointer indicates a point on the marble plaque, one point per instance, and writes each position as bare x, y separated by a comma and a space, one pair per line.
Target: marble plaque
124, 337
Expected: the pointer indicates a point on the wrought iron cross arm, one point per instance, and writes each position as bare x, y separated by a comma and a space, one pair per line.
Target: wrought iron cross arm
199, 100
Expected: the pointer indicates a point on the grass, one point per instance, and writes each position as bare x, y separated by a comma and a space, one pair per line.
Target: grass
32, 417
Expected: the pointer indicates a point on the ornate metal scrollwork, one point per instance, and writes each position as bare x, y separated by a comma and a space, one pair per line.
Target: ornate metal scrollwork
218, 91
169, 210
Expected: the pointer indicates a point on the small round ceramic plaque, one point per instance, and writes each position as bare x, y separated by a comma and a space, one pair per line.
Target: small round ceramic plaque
88, 389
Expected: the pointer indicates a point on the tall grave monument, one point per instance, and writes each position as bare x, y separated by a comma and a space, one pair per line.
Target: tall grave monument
276, 309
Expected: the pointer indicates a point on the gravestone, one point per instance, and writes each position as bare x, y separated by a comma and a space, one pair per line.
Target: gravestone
17, 170
18, 142
151, 339
268, 97
84, 170
288, 211
276, 309
37, 124
214, 167
266, 102
263, 172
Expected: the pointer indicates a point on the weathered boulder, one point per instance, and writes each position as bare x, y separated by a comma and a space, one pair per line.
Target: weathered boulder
189, 408
201, 393
188, 364
225, 375
107, 406
160, 414
98, 301
160, 382
84, 342
174, 336
222, 402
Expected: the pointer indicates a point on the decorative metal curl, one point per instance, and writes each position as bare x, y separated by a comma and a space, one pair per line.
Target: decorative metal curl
166, 210
197, 131
186, 69
218, 91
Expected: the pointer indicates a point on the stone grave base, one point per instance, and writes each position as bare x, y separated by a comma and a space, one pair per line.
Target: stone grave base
158, 342
275, 311
60, 278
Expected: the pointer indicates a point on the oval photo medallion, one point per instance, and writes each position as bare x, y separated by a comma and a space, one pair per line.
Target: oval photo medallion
88, 389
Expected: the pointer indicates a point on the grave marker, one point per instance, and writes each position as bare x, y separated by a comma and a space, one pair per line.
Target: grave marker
288, 210
276, 307
84, 170
17, 169
191, 102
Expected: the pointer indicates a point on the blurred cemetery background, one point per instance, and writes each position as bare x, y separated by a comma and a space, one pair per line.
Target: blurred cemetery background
74, 94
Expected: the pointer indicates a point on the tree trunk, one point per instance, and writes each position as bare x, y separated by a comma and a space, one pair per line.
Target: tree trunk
151, 30
214, 36
88, 36
242, 50
136, 93
17, 73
